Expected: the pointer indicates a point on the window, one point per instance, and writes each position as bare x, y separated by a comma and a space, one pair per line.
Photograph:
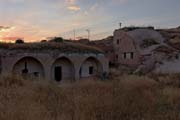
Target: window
117, 57
118, 41
91, 70
132, 55
124, 55
177, 56
36, 74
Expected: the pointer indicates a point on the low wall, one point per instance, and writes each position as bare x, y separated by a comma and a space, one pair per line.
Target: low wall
47, 60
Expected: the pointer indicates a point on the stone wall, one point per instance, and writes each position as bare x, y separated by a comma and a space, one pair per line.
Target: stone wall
43, 64
125, 49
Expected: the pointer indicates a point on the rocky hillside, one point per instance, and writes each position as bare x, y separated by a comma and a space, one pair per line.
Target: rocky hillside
172, 36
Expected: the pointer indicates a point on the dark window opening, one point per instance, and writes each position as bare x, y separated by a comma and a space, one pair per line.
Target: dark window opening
36, 74
117, 57
80, 72
124, 55
177, 56
91, 70
132, 55
58, 73
117, 41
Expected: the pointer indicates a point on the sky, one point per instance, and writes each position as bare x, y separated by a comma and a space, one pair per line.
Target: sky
35, 20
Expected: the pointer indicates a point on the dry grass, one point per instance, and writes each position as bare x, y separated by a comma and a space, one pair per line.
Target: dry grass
126, 97
63, 47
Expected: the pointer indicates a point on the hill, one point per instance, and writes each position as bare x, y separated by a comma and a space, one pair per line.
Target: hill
172, 36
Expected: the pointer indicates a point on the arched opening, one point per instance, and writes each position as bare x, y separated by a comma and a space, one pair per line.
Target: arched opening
91, 67
63, 69
29, 67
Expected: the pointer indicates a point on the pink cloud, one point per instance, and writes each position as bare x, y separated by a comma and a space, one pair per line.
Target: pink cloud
10, 38
5, 28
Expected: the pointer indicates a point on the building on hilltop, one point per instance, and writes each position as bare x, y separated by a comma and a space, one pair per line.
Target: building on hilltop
131, 47
148, 49
141, 49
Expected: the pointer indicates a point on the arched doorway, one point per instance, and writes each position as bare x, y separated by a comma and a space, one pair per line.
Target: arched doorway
29, 67
62, 69
91, 67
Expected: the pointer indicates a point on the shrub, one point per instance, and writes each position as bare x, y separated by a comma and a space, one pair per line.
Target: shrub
19, 41
43, 41
57, 39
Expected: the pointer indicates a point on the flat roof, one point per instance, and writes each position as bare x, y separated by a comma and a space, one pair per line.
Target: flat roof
63, 47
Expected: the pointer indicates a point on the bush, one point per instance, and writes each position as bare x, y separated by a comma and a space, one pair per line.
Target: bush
57, 39
19, 41
43, 41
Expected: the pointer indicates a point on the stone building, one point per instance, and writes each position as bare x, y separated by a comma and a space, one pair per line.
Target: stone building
142, 49
135, 47
53, 61
106, 45
131, 47
125, 49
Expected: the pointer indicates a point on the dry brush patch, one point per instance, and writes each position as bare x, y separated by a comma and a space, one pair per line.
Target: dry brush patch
128, 97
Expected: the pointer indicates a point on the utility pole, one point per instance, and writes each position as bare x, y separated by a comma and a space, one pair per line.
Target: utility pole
120, 25
88, 34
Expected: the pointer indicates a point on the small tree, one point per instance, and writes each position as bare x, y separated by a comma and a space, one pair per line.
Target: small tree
19, 41
57, 39
43, 41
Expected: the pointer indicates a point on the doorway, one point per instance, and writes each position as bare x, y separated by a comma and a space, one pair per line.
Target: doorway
91, 70
58, 73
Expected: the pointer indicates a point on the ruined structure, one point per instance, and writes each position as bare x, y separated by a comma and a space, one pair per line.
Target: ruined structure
106, 45
133, 47
53, 61
142, 49
147, 49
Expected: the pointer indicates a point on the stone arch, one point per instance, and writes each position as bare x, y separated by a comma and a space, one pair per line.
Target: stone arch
29, 66
91, 67
63, 70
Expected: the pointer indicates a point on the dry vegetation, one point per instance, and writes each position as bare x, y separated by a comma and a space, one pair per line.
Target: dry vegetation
63, 47
124, 97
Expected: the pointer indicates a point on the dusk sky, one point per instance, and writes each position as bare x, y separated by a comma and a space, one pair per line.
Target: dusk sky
35, 20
